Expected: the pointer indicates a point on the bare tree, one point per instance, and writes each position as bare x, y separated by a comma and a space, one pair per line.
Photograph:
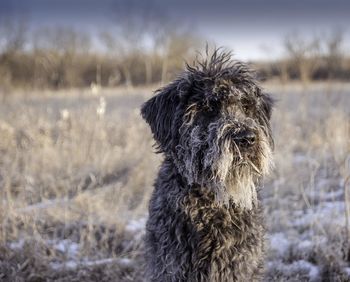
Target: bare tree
145, 34
179, 46
12, 35
122, 52
61, 39
334, 52
303, 54
128, 37
12, 41
57, 51
172, 42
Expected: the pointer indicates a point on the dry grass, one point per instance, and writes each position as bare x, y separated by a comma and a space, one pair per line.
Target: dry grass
305, 197
72, 177
76, 172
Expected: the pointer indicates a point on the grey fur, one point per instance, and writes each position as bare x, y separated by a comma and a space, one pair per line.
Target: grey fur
205, 220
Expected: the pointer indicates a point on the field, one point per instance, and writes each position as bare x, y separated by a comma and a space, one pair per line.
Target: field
77, 168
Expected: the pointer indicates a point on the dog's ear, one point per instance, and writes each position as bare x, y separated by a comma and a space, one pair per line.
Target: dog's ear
159, 113
267, 105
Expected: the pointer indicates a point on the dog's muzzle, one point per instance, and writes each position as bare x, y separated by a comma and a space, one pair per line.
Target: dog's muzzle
245, 138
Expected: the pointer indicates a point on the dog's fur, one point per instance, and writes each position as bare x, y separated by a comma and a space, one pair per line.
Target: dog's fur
205, 221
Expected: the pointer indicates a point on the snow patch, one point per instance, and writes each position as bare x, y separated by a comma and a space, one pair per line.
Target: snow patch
17, 245
71, 249
331, 210
279, 244
72, 264
135, 226
297, 268
303, 264
44, 205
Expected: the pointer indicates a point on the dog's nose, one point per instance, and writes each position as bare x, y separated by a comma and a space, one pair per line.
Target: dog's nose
245, 138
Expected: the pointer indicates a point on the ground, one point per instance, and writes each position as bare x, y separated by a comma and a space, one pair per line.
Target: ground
76, 173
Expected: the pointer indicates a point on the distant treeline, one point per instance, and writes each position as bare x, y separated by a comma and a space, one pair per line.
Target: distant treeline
53, 69
63, 57
310, 58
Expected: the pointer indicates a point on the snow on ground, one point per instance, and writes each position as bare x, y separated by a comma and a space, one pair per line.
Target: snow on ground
136, 225
298, 269
71, 252
17, 245
73, 264
306, 223
69, 248
279, 244
320, 214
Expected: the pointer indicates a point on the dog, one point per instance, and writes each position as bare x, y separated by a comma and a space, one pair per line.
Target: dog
205, 221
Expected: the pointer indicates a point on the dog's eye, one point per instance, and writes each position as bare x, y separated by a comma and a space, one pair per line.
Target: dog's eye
224, 90
211, 110
247, 105
221, 90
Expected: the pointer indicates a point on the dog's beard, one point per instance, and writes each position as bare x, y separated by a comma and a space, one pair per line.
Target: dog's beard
237, 174
214, 161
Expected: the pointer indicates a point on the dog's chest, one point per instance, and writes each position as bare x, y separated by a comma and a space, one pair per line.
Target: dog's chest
224, 226
220, 234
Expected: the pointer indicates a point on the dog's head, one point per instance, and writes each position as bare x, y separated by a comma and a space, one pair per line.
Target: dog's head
214, 122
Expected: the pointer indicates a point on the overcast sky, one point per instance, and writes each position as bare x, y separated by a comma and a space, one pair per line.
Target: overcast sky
252, 28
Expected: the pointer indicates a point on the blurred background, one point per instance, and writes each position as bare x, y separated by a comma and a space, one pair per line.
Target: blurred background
77, 163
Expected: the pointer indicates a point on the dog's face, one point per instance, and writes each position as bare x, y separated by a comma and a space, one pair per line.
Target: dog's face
214, 123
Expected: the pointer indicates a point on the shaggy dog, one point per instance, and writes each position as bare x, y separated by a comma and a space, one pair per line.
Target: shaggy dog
205, 221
